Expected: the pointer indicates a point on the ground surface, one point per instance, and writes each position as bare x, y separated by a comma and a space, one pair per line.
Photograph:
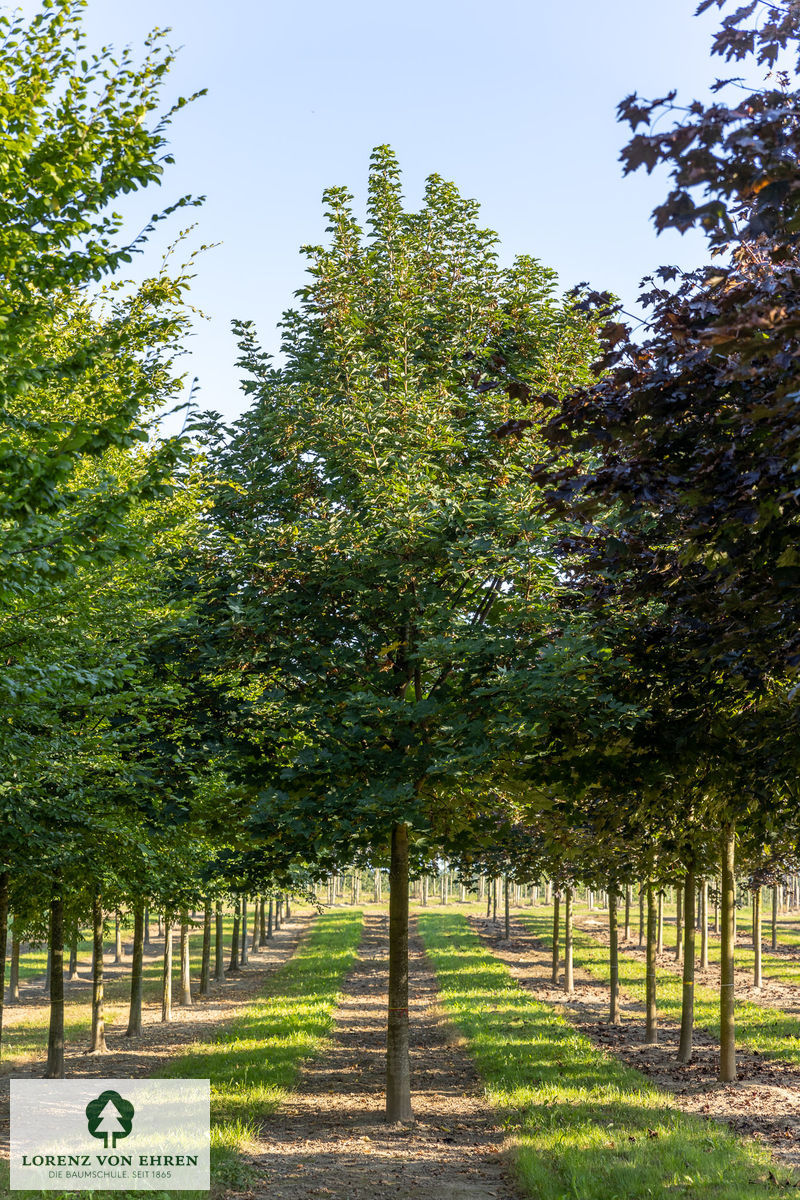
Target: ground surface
331, 1140
764, 1105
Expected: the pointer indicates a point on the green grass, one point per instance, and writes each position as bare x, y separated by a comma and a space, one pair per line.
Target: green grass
769, 1030
253, 1060
584, 1126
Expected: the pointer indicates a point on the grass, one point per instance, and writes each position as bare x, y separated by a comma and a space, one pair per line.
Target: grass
773, 1033
254, 1059
584, 1126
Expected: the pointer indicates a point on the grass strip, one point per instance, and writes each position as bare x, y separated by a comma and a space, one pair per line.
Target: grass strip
584, 1126
254, 1059
770, 1031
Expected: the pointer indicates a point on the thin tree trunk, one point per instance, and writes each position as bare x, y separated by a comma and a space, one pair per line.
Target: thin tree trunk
489, 900
233, 965
679, 922
727, 1028
613, 954
219, 945
641, 917
687, 1005
269, 919
556, 936
262, 925
244, 956
185, 992
704, 925
135, 1010
205, 957
757, 980
72, 973
660, 947
651, 1023
774, 942
46, 977
55, 1036
147, 925
98, 1044
4, 888
507, 913
13, 983
494, 900
627, 930
166, 977
118, 956
569, 985
398, 1069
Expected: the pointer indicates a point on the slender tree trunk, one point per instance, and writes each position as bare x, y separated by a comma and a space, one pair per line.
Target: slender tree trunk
651, 1023
269, 920
262, 931
186, 966
507, 913
704, 925
205, 958
379, 888
660, 947
398, 1070
244, 956
72, 973
55, 1036
774, 942
687, 1005
118, 956
98, 1044
627, 930
13, 983
147, 925
679, 922
613, 954
556, 936
135, 1010
233, 965
569, 984
489, 900
166, 977
219, 944
494, 900
727, 1028
757, 979
641, 917
4, 888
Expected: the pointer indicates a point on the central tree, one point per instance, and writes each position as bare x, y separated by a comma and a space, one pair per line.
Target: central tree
387, 578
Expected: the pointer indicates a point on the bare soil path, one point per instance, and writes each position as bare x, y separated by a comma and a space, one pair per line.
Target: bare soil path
331, 1139
129, 1058
764, 1103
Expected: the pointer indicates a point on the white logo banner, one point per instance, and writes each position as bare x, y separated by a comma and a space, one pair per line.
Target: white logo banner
111, 1134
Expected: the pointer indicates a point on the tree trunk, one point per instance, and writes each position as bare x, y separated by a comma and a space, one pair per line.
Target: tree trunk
166, 976
704, 925
660, 946
233, 965
569, 985
613, 954
687, 1005
4, 881
398, 1069
507, 910
379, 888
205, 957
269, 920
641, 917
72, 973
147, 925
556, 936
244, 956
627, 930
55, 1036
13, 983
757, 980
727, 1028
219, 946
185, 993
774, 942
46, 976
118, 956
135, 1010
262, 930
679, 922
651, 1023
98, 1044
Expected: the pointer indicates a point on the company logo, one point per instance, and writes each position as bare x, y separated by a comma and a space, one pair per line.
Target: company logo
109, 1116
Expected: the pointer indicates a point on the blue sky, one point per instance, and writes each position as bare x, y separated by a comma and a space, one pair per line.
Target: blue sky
513, 100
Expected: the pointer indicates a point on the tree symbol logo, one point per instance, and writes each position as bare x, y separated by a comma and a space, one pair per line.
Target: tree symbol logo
109, 1116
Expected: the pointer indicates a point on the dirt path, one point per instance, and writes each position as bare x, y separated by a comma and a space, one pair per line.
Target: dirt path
129, 1058
331, 1140
764, 1103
